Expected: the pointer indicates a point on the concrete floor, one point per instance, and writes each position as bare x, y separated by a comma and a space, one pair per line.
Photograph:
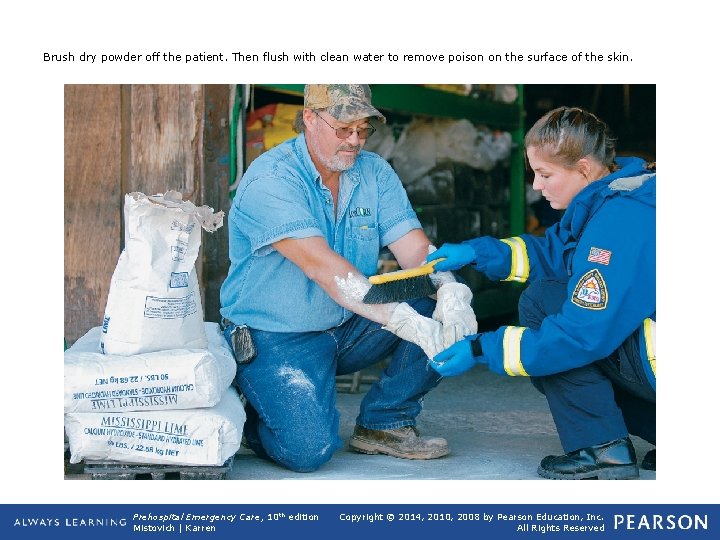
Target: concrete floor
498, 428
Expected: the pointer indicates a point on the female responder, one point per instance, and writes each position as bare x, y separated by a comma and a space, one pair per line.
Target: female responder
587, 318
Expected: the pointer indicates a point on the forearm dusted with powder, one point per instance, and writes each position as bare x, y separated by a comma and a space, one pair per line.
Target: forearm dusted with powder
352, 289
347, 286
338, 278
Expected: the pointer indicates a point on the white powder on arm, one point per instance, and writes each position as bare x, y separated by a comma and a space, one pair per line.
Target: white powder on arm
353, 289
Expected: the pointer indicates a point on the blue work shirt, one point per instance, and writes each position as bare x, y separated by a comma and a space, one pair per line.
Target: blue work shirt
282, 196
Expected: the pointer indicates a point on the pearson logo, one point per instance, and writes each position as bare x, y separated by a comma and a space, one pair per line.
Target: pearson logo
667, 522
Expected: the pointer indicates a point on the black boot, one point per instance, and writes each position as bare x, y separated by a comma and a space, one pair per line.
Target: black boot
614, 460
649, 462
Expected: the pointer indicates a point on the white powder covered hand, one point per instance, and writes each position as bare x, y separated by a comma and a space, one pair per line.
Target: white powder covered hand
454, 311
408, 324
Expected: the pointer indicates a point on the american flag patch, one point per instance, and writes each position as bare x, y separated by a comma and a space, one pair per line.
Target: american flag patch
601, 256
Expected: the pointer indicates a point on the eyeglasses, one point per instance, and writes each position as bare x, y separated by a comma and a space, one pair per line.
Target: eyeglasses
345, 132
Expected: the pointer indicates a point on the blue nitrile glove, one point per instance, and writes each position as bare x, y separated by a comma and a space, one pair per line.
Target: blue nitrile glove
458, 358
456, 256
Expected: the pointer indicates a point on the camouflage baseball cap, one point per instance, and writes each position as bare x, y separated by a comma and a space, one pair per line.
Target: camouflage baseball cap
346, 102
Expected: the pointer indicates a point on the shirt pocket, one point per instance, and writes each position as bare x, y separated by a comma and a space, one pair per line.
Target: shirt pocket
364, 247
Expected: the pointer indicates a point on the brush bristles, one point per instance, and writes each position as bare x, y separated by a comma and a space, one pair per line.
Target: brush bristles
400, 291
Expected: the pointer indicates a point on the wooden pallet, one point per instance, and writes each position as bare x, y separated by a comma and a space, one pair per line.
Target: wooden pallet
116, 470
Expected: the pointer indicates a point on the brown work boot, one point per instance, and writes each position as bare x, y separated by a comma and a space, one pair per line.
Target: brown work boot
404, 442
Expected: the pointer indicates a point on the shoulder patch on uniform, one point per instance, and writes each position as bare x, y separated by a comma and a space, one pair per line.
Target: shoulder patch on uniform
601, 256
591, 292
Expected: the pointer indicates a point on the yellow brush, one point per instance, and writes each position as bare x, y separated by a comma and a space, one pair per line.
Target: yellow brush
401, 285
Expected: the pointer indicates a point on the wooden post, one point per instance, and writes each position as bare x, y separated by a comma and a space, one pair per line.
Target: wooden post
215, 193
92, 202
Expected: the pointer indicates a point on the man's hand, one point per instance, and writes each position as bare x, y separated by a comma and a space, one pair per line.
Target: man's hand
456, 256
408, 324
454, 311
457, 359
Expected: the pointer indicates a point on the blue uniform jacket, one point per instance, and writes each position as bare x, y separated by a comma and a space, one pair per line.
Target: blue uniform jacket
605, 246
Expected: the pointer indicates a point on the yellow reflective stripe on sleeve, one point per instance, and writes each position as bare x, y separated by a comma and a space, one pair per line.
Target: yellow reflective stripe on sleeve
511, 351
520, 265
649, 331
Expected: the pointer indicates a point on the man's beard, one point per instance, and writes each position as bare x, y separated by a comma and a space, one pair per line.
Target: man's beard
337, 163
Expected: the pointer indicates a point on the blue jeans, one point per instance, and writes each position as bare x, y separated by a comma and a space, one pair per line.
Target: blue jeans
599, 402
292, 417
